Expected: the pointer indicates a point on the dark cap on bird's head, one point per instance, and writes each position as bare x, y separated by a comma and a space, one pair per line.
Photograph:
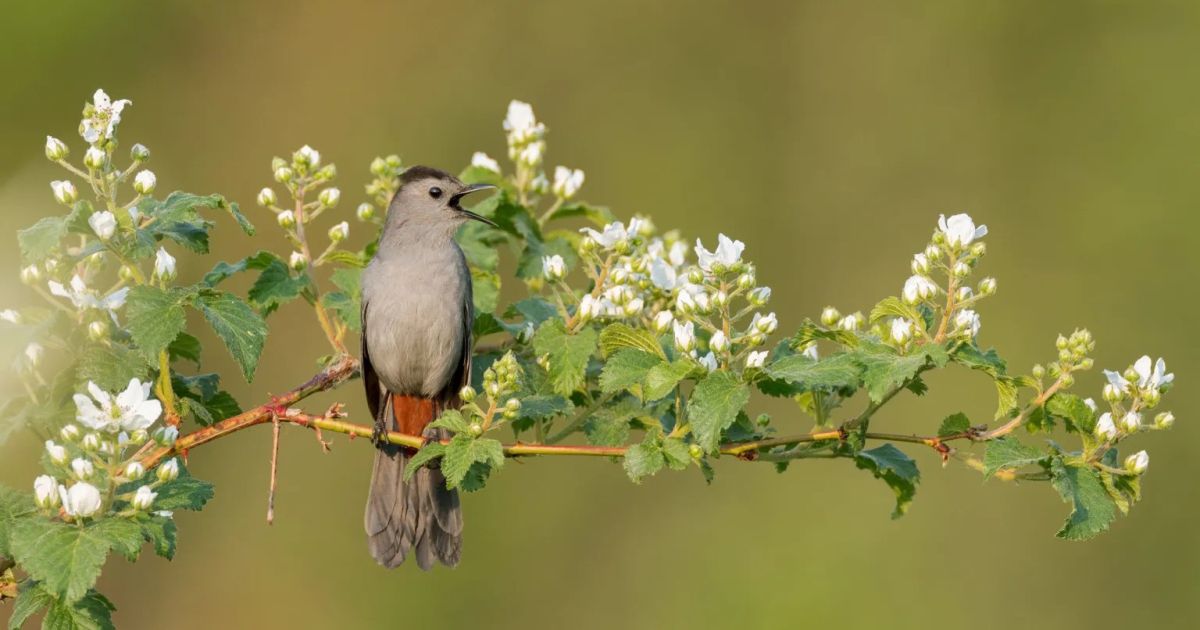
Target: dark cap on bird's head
428, 194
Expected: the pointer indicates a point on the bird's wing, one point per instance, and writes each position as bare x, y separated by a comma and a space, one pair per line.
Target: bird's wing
369, 377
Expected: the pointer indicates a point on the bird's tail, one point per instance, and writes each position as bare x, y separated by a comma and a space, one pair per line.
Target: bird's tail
419, 515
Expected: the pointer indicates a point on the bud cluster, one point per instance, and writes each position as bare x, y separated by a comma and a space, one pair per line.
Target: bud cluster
307, 181
527, 149
500, 383
1131, 395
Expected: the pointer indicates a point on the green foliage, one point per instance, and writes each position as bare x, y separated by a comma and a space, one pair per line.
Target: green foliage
569, 354
954, 425
834, 372
1092, 510
618, 336
896, 469
644, 459
156, 318
1007, 453
242, 330
65, 559
627, 369
715, 404
463, 451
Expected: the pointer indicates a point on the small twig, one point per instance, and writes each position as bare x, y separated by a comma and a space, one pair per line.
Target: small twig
274, 468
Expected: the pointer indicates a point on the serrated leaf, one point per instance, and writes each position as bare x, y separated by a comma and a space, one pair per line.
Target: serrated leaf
885, 370
643, 460
451, 420
617, 336
626, 369
534, 310
110, 367
160, 532
1071, 408
92, 612
569, 354
1092, 510
664, 377
714, 406
31, 599
154, 318
184, 493
896, 469
39, 240
530, 264
426, 454
973, 357
463, 451
542, 407
123, 535
675, 453
609, 426
66, 559
276, 286
14, 505
242, 330
485, 290
597, 215
811, 331
954, 425
894, 307
1007, 395
833, 372
185, 346
1007, 452
223, 270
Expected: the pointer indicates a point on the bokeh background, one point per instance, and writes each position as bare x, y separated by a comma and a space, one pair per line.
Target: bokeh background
827, 136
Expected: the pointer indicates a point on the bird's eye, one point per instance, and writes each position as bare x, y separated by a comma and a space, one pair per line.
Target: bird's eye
435, 192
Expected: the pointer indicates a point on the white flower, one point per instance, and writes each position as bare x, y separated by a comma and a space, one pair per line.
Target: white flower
902, 329
143, 498
756, 359
330, 197
1131, 422
540, 185
1091, 404
144, 182
918, 288
297, 261
1105, 428
135, 470
589, 307
967, 322
1138, 462
80, 500
567, 182
64, 192
10, 316
307, 156
851, 322
663, 275
960, 230
531, 155
57, 453
811, 351
34, 352
613, 234
520, 123
729, 253
718, 342
45, 491
339, 232
678, 253
164, 264
1155, 378
104, 224
662, 321
553, 267
168, 471
708, 361
1117, 383
82, 468
105, 117
55, 149
482, 160
132, 409
765, 324
685, 336
920, 264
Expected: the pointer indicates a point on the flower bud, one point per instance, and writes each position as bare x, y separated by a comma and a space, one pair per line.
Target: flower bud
365, 212
1164, 420
1105, 429
718, 342
662, 321
933, 253
475, 429
513, 405
286, 219
695, 451
830, 316
57, 453
961, 269
1038, 371
757, 339
963, 294
45, 487
330, 197
1138, 462
851, 322
720, 299
166, 436
306, 157
553, 267
144, 182
756, 359
82, 468
94, 158
98, 330
379, 168
685, 336
164, 265
104, 224
759, 296
34, 352
90, 442
466, 394
920, 264
81, 500
1131, 422
1085, 363
978, 249
64, 192
327, 173
139, 153
69, 432
297, 261
339, 232
1151, 398
139, 437
987, 286
143, 498
168, 471
633, 307
56, 149
284, 174
126, 273
766, 324
1113, 393
31, 274
134, 471
107, 448
266, 197
902, 330
745, 281
695, 276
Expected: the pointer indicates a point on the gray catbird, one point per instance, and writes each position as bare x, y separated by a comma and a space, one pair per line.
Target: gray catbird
416, 356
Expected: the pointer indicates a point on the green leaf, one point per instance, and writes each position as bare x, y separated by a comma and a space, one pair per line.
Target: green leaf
954, 425
40, 240
31, 599
14, 505
452, 420
1092, 510
473, 240
110, 367
485, 290
644, 459
258, 261
66, 559
971, 356
714, 406
542, 407
569, 354
598, 215
463, 451
155, 318
184, 493
1007, 452
159, 531
617, 336
426, 454
836, 371
626, 369
664, 377
884, 370
534, 310
92, 612
1008, 394
894, 307
609, 426
896, 469
123, 535
675, 452
242, 330
530, 264
276, 286
185, 346
1071, 408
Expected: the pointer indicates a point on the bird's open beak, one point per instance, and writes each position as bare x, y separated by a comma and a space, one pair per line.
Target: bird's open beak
454, 203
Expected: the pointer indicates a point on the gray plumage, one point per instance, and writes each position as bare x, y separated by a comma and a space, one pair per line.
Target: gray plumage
417, 317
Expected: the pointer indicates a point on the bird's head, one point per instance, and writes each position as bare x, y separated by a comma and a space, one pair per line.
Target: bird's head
432, 200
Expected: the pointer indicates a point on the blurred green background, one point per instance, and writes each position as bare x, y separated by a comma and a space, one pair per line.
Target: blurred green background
827, 136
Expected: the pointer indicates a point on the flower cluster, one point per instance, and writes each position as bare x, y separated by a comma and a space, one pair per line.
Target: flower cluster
307, 182
500, 382
527, 150
91, 473
1130, 396
385, 182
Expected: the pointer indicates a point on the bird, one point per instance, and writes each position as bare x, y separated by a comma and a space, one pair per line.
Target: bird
417, 315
